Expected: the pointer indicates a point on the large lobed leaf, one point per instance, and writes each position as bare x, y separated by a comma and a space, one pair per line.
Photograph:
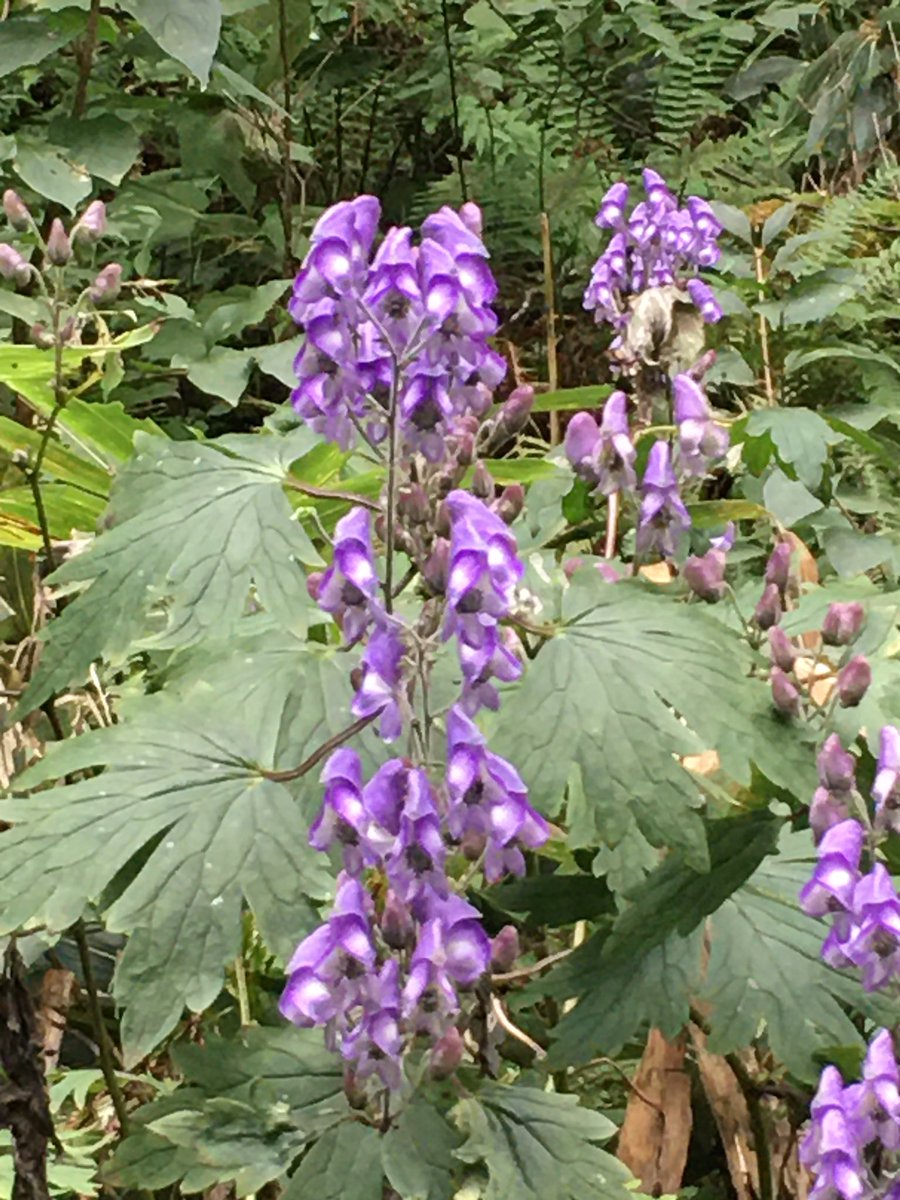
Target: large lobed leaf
194, 526
182, 788
632, 682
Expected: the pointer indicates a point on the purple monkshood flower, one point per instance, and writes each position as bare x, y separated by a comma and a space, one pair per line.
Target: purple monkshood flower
886, 788
663, 516
327, 971
832, 1149
603, 456
705, 573
874, 944
349, 586
483, 574
831, 800
500, 657
700, 439
381, 689
488, 798
843, 623
452, 950
831, 889
343, 817
658, 244
881, 1090
375, 1044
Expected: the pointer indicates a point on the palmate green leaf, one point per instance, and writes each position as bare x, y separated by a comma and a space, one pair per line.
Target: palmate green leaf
194, 526
417, 1154
634, 681
181, 779
344, 1164
537, 1144
764, 975
801, 437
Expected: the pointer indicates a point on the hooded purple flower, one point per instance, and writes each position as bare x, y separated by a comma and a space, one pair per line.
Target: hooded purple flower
407, 826
327, 971
487, 797
700, 439
349, 586
381, 689
831, 801
612, 206
343, 817
453, 950
484, 570
603, 456
886, 788
663, 516
499, 657
874, 944
832, 1149
375, 1044
881, 1099
831, 889
705, 300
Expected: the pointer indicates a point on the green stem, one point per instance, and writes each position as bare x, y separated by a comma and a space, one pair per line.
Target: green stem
107, 1062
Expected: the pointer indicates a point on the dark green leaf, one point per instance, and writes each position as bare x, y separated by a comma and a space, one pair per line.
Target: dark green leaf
551, 899
344, 1164
417, 1154
789, 501
105, 145
537, 1144
51, 173
188, 30
590, 396
28, 40
801, 437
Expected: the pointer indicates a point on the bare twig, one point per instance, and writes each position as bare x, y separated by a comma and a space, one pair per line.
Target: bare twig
760, 267
513, 1030
609, 1062
107, 1062
454, 105
84, 56
534, 969
317, 755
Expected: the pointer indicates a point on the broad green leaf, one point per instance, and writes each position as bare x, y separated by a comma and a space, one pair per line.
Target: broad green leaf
183, 773
105, 145
551, 899
537, 1144
194, 526
27, 40
789, 501
807, 302
50, 172
344, 1164
603, 693
801, 437
146, 1160
590, 396
233, 311
221, 372
188, 30
851, 553
712, 514
778, 222
417, 1154
59, 462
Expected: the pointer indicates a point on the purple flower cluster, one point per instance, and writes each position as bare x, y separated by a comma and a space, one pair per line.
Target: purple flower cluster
604, 455
864, 908
854, 1133
398, 336
655, 245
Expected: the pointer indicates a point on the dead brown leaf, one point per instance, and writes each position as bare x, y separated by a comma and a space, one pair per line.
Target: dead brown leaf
653, 1141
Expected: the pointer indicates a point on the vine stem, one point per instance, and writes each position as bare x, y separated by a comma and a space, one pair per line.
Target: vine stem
85, 56
107, 1062
332, 494
322, 752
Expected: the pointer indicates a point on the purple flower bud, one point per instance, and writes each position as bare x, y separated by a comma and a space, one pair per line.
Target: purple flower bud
608, 572
505, 949
785, 696
41, 336
447, 1054
843, 623
705, 300
437, 568
853, 681
482, 482
827, 810
413, 504
768, 611
612, 206
13, 266
59, 248
16, 212
571, 565
397, 927
470, 215
705, 575
314, 584
781, 648
107, 285
91, 226
836, 766
514, 414
778, 568
886, 788
465, 448
510, 503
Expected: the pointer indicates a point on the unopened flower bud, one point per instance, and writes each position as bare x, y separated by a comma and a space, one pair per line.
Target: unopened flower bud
16, 211
59, 248
413, 504
768, 612
355, 1091
513, 416
827, 809
843, 623
313, 583
571, 565
608, 572
472, 845
107, 285
356, 678
447, 1054
510, 503
91, 225
705, 575
482, 482
465, 449
41, 336
12, 265
853, 681
505, 949
781, 648
785, 696
397, 924
836, 766
470, 215
778, 568
437, 567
